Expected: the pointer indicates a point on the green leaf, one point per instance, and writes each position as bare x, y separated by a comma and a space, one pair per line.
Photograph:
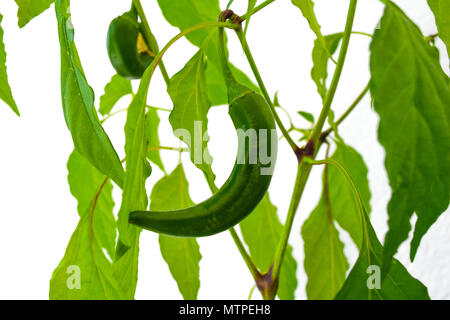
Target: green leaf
117, 88
85, 258
84, 181
365, 280
187, 89
307, 9
151, 133
182, 255
195, 12
125, 266
217, 91
134, 196
441, 11
412, 97
325, 262
320, 57
85, 272
261, 232
345, 211
397, 285
307, 116
5, 90
28, 9
89, 137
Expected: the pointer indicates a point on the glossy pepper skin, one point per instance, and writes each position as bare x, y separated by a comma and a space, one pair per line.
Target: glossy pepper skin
246, 185
239, 195
122, 46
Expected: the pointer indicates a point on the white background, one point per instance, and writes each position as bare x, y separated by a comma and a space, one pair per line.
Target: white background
38, 213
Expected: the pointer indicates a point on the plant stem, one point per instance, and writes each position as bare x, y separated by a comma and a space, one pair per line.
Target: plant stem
158, 108
256, 9
257, 75
109, 116
168, 148
291, 123
303, 171
251, 292
150, 38
126, 109
247, 259
304, 167
363, 34
347, 112
315, 136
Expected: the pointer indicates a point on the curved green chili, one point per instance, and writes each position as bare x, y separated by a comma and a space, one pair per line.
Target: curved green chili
248, 181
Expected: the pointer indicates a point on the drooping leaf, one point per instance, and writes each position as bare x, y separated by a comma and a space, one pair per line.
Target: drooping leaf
114, 90
441, 11
5, 90
182, 255
134, 196
320, 57
85, 272
89, 137
84, 181
125, 266
345, 211
325, 262
365, 282
188, 92
261, 231
195, 12
28, 9
151, 132
411, 96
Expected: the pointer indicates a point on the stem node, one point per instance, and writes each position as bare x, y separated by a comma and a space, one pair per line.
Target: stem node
229, 14
267, 285
307, 151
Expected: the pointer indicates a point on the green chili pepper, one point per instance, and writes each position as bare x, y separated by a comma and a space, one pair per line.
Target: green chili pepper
246, 185
127, 50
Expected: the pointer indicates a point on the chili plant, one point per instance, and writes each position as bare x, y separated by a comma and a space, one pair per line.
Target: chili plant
410, 93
